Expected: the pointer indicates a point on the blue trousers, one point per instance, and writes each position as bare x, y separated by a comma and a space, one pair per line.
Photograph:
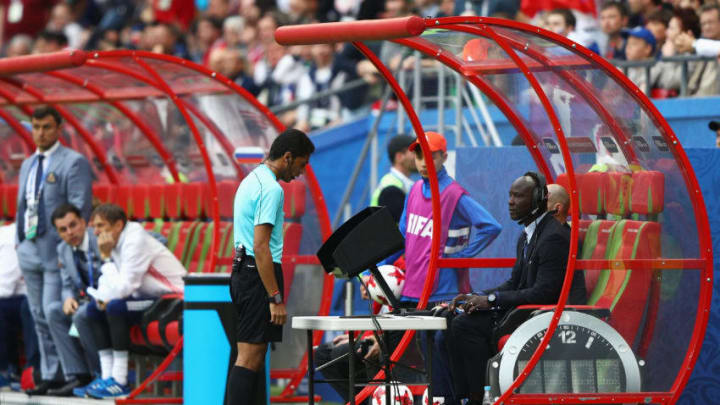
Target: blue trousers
15, 316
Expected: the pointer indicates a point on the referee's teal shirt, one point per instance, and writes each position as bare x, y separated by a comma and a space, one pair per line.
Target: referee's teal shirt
259, 200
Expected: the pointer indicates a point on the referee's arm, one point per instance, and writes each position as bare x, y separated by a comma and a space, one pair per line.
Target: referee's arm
263, 260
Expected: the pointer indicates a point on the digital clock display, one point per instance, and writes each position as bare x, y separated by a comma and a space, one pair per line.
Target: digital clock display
577, 360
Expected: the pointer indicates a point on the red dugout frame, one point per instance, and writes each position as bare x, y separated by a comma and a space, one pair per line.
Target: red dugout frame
64, 69
527, 58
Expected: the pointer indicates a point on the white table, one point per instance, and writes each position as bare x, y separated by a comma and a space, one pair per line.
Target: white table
387, 322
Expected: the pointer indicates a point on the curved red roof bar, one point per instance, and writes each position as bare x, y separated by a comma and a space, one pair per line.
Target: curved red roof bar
84, 134
574, 202
66, 60
25, 135
701, 219
434, 191
131, 115
319, 33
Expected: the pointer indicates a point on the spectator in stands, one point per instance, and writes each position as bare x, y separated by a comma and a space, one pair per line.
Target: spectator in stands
641, 46
14, 313
558, 202
257, 278
323, 75
163, 38
640, 10
715, 127
685, 21
19, 45
61, 20
50, 41
562, 22
52, 176
277, 75
136, 270
231, 63
80, 268
233, 29
613, 19
703, 78
657, 23
536, 278
207, 32
395, 185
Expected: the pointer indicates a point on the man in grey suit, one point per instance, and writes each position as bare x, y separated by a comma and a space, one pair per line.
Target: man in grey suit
80, 263
53, 175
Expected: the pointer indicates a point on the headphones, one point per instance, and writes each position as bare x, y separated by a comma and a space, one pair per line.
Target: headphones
540, 194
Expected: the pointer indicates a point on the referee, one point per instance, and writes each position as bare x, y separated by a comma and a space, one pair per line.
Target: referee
256, 283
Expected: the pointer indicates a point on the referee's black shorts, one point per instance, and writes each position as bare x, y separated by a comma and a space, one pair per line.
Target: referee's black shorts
250, 299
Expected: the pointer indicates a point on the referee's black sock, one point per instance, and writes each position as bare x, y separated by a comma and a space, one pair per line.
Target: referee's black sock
241, 385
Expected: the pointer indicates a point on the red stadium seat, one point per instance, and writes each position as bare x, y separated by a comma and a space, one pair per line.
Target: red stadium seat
156, 201
104, 192
294, 209
626, 291
226, 197
191, 196
648, 192
140, 197
562, 179
591, 187
617, 193
294, 199
122, 198
171, 194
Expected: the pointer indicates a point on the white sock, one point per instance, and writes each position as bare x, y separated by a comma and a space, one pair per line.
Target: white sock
106, 363
120, 366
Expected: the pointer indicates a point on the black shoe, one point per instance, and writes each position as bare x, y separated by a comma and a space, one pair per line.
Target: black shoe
66, 389
44, 386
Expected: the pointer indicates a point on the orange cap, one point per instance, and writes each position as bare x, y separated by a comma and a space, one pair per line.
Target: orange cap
435, 140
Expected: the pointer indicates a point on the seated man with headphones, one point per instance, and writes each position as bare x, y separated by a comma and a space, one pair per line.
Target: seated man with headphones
537, 278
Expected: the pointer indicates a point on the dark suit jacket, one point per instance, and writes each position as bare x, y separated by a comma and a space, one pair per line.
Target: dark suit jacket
539, 279
72, 283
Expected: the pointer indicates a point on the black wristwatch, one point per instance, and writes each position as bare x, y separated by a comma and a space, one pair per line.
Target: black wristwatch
276, 299
492, 299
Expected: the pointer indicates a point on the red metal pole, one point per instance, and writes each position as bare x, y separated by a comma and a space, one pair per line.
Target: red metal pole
364, 30
18, 127
316, 193
570, 268
434, 192
41, 63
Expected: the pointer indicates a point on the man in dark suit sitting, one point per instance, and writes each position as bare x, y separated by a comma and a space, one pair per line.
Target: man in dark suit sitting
537, 278
79, 259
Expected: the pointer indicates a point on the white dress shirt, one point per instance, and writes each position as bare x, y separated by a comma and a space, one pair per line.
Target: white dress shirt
11, 280
141, 267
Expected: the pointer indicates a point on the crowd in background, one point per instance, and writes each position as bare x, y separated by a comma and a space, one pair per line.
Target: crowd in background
235, 38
